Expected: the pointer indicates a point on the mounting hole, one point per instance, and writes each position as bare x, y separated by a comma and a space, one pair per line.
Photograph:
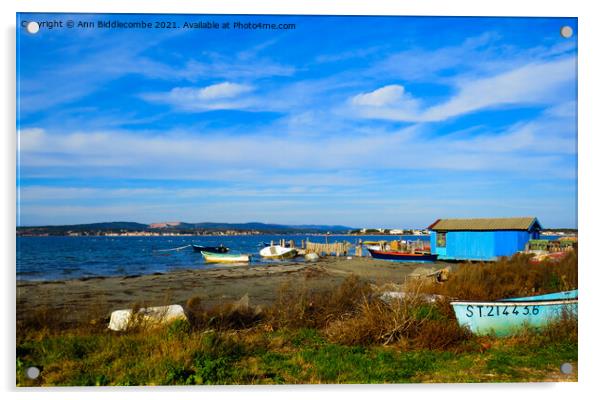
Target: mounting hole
566, 32
33, 27
566, 368
32, 372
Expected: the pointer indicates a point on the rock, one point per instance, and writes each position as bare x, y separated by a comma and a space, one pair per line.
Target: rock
241, 304
388, 287
312, 257
443, 275
421, 272
431, 298
121, 320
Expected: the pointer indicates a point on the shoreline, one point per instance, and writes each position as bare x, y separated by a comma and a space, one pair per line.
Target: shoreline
96, 297
148, 234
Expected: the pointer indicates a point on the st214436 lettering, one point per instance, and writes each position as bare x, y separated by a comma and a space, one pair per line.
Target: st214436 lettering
484, 311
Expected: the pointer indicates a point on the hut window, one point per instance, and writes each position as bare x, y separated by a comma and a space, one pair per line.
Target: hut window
441, 242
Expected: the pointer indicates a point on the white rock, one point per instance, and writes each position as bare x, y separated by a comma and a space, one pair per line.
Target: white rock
312, 257
388, 296
120, 319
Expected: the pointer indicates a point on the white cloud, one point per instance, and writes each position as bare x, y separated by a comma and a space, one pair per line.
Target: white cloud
535, 83
68, 76
547, 143
220, 96
418, 64
38, 192
529, 84
220, 91
388, 102
386, 95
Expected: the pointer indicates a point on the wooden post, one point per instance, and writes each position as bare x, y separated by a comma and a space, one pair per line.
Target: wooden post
358, 251
291, 244
271, 242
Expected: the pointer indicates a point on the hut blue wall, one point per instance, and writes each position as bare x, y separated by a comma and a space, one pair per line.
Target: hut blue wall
480, 245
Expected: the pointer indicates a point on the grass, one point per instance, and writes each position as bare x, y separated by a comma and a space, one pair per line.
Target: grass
286, 357
346, 335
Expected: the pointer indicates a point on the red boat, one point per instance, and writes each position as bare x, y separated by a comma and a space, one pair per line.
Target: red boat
404, 257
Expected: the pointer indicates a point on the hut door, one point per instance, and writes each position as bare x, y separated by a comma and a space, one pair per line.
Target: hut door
441, 239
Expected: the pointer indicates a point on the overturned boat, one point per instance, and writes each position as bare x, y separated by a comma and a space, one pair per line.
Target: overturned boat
278, 252
505, 316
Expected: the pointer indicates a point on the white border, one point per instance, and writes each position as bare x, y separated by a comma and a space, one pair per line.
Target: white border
590, 66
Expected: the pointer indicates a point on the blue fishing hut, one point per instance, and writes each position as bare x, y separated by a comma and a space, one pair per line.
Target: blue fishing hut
481, 239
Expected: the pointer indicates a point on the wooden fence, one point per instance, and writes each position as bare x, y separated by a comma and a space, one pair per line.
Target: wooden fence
338, 249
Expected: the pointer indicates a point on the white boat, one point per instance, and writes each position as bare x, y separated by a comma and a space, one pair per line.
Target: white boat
277, 252
225, 257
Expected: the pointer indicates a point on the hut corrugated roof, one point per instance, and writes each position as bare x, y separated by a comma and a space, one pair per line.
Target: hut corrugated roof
485, 224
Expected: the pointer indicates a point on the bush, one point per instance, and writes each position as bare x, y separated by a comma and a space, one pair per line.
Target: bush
233, 315
412, 322
297, 307
509, 277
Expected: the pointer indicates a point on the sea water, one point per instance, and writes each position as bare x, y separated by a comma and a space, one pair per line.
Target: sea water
64, 257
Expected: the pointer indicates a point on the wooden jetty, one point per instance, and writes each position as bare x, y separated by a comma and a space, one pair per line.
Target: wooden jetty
346, 248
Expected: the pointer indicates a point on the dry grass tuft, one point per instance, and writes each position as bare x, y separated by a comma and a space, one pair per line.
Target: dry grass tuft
43, 318
560, 330
297, 307
227, 316
509, 277
412, 322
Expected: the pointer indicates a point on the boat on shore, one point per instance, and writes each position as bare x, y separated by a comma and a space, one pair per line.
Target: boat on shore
225, 257
371, 245
505, 316
211, 249
278, 252
402, 256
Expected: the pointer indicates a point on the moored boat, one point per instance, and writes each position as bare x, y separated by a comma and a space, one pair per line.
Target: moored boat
224, 257
502, 317
277, 252
401, 256
371, 245
211, 249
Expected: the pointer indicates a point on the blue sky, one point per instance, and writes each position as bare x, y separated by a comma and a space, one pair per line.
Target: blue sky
360, 121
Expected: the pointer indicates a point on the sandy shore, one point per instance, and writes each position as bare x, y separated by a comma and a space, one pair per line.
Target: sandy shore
83, 299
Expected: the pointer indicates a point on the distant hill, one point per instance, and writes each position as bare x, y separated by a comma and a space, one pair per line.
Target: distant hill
262, 227
179, 227
98, 226
328, 228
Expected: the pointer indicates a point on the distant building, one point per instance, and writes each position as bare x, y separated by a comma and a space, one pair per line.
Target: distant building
482, 239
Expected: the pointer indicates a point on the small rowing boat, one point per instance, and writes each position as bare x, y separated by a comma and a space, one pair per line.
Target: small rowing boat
277, 252
503, 317
373, 245
401, 256
225, 258
211, 249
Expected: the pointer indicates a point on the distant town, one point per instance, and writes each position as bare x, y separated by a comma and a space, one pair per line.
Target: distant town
218, 229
